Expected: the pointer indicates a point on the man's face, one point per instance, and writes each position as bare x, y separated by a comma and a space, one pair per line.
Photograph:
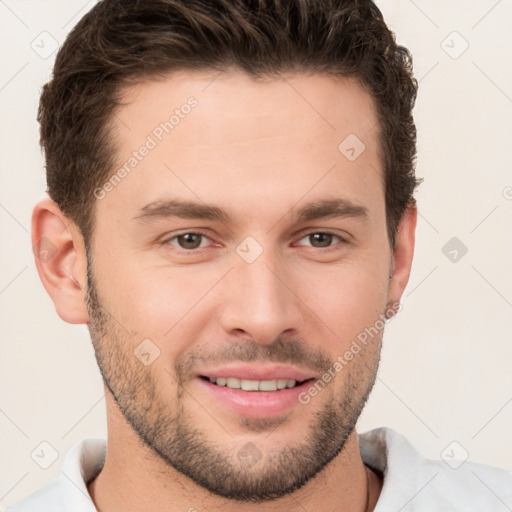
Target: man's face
184, 310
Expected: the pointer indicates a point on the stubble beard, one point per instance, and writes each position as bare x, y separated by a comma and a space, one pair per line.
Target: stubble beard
164, 425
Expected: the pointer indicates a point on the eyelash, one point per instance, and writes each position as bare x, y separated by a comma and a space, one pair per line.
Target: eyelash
167, 241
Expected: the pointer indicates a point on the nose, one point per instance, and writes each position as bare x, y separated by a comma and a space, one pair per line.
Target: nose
259, 300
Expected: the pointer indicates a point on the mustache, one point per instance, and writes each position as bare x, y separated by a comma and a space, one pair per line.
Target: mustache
287, 351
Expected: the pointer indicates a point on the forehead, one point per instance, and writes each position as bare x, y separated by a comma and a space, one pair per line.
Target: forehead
235, 99
204, 134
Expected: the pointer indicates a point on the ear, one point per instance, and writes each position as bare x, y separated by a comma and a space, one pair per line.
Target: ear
60, 259
402, 257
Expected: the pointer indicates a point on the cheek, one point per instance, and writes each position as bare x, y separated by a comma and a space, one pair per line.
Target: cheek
346, 300
163, 304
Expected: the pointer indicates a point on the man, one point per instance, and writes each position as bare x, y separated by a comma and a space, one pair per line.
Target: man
231, 212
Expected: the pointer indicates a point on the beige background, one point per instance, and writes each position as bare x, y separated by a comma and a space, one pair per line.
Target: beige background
446, 366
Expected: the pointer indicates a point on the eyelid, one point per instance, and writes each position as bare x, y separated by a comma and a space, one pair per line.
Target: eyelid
323, 232
195, 231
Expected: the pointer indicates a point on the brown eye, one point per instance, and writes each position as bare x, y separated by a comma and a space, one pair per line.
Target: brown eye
321, 239
188, 241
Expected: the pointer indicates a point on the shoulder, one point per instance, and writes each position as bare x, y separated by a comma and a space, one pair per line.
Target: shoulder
46, 499
414, 483
68, 492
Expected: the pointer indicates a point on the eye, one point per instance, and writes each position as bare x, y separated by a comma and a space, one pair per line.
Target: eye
322, 239
188, 241
193, 240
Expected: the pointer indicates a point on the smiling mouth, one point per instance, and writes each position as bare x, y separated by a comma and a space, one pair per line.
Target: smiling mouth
254, 385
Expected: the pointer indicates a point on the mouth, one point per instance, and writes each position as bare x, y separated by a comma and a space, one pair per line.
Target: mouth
255, 391
254, 385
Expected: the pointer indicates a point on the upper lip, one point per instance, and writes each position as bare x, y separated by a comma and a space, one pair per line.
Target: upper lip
251, 371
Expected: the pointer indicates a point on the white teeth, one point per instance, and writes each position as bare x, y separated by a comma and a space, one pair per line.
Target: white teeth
253, 385
232, 382
249, 385
268, 385
281, 383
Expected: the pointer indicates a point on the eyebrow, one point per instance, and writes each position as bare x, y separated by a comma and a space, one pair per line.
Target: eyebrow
325, 208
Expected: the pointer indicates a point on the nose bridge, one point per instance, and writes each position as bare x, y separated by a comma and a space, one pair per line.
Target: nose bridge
258, 300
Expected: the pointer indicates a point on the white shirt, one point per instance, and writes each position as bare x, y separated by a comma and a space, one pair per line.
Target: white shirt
411, 483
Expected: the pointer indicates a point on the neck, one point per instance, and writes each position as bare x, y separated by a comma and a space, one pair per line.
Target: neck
133, 478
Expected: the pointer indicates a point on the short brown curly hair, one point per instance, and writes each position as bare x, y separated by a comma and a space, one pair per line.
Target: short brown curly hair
121, 41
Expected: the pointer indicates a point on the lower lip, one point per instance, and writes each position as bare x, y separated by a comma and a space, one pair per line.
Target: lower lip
256, 404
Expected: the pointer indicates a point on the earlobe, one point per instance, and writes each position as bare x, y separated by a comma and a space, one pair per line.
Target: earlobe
60, 259
402, 256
